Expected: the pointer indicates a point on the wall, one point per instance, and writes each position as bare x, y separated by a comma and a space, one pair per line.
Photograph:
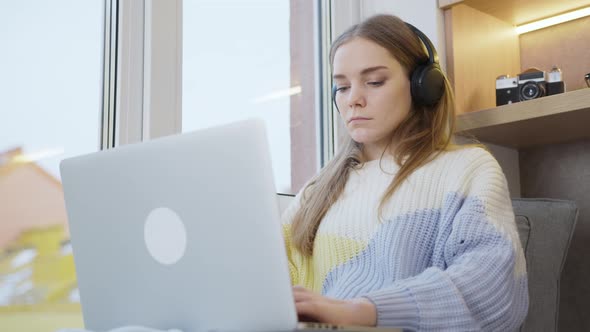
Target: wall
303, 115
561, 171
424, 14
508, 160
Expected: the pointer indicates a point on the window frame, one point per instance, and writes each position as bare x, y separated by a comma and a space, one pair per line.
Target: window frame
142, 71
142, 96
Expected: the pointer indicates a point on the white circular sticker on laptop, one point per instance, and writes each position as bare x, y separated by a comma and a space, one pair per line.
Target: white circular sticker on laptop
165, 236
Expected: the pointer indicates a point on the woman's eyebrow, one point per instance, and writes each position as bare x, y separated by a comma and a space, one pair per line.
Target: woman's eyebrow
363, 72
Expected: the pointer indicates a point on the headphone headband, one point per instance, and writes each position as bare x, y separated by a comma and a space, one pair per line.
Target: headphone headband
432, 55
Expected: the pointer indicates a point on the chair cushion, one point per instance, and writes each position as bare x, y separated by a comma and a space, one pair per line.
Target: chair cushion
545, 228
523, 225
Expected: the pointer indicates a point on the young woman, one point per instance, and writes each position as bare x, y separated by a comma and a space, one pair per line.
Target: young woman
403, 228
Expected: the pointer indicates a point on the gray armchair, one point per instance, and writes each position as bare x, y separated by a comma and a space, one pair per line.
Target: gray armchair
545, 227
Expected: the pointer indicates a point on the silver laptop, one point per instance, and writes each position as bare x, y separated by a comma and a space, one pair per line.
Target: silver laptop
181, 232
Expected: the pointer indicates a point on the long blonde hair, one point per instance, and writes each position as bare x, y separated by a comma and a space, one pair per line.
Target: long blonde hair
420, 137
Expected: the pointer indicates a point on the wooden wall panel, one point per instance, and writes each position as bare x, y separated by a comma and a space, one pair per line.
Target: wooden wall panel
480, 47
517, 12
566, 45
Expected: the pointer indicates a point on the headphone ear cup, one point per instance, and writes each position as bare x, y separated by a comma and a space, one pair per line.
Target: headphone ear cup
427, 85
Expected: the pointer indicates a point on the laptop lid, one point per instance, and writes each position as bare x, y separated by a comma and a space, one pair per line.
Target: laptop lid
180, 232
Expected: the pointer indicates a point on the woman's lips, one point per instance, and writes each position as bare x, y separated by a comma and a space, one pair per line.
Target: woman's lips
358, 119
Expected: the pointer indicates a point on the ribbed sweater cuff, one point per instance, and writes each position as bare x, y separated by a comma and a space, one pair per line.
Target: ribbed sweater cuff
395, 308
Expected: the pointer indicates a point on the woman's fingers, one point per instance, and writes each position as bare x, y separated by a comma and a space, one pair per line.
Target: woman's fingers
311, 307
298, 288
317, 308
308, 309
306, 303
302, 294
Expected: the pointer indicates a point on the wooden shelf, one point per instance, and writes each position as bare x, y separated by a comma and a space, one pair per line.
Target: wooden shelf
517, 12
553, 119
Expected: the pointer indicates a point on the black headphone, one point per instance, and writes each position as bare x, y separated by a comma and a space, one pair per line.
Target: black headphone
427, 79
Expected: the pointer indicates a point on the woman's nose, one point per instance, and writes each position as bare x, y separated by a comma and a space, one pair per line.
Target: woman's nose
356, 97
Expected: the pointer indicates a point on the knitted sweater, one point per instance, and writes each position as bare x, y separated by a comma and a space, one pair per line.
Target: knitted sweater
444, 256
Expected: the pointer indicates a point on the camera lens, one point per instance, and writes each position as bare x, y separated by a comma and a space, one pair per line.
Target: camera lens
531, 90
587, 79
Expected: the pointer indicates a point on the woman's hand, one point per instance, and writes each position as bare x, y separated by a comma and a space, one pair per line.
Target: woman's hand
314, 307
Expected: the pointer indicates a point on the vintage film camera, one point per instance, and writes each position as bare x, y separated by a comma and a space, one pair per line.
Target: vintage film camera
530, 84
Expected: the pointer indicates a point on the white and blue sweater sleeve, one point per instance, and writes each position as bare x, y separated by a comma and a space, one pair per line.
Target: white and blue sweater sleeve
478, 280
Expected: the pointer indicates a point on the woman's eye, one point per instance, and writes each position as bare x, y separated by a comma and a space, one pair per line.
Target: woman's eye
342, 88
376, 83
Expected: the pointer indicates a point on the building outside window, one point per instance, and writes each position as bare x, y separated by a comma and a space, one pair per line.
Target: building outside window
50, 100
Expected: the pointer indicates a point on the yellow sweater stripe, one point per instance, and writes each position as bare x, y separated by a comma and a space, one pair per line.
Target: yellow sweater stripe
330, 251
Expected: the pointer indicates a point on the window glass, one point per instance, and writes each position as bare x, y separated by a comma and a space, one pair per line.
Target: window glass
255, 58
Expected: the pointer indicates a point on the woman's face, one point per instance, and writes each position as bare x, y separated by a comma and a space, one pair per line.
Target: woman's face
373, 93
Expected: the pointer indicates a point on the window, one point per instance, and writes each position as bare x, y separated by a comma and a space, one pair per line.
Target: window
256, 58
50, 96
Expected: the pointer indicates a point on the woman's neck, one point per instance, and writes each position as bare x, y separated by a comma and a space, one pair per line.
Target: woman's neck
372, 152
